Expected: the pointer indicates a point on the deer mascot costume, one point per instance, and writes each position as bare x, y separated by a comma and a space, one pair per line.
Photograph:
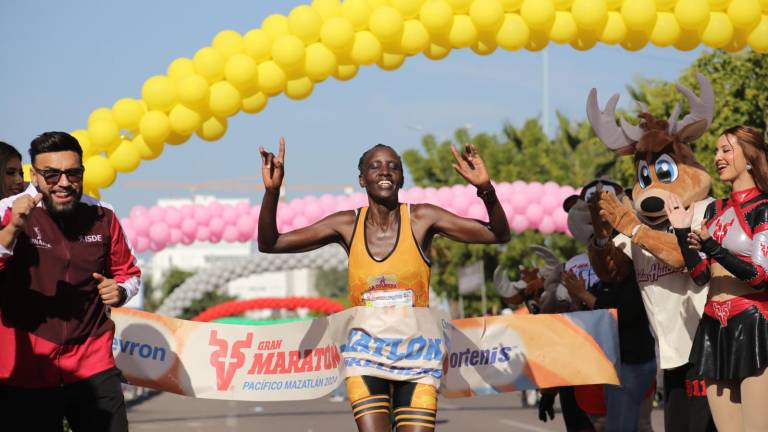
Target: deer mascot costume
665, 165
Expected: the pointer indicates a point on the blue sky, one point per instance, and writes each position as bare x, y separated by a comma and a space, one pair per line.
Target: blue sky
62, 60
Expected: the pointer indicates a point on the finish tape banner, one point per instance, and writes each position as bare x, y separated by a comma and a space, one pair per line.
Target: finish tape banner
308, 359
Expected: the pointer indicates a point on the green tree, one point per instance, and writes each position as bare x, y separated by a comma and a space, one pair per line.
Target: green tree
331, 283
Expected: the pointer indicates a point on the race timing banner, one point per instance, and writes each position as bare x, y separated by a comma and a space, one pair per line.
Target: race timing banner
309, 359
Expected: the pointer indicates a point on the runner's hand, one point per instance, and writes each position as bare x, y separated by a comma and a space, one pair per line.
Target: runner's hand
470, 166
273, 167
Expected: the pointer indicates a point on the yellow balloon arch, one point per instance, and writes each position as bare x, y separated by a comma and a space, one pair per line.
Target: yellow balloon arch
290, 54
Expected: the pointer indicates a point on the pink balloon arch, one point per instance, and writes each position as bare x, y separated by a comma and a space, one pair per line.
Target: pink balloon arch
533, 206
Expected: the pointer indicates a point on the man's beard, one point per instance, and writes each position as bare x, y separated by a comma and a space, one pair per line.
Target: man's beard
61, 210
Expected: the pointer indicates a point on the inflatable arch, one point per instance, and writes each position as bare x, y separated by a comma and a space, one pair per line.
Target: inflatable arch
527, 205
291, 54
236, 307
217, 276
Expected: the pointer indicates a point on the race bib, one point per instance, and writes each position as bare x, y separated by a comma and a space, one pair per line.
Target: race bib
384, 298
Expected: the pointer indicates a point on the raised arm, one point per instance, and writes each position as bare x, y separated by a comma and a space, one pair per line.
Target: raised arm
698, 266
470, 166
330, 229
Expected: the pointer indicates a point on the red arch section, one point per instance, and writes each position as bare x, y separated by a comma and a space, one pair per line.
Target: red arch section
236, 307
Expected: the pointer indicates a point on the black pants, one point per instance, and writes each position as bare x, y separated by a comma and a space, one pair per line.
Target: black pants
94, 404
685, 401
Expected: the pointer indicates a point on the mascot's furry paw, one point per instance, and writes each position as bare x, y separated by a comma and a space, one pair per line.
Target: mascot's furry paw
619, 214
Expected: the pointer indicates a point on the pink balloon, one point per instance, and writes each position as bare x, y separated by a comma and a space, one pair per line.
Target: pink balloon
300, 222
173, 217
229, 215
547, 225
159, 233
460, 203
230, 234
534, 212
187, 211
535, 189
157, 213
141, 225
189, 228
561, 220
519, 223
255, 210
202, 215
285, 212
551, 187
187, 239
445, 195
243, 207
550, 203
156, 247
477, 211
216, 226
138, 212
416, 194
245, 226
175, 236
215, 208
203, 233
141, 244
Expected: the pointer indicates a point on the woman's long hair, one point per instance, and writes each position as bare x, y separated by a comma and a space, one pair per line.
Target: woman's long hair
7, 152
752, 143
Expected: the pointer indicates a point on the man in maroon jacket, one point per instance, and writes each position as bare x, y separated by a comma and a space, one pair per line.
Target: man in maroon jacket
64, 261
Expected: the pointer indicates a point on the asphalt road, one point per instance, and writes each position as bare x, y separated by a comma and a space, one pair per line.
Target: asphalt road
172, 413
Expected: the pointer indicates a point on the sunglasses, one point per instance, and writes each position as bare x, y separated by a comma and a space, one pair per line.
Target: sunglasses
52, 176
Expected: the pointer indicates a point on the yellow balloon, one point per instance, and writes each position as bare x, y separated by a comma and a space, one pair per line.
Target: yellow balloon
209, 64
275, 25
639, 15
181, 68
228, 43
718, 32
463, 33
585, 40
193, 91
666, 32
615, 30
487, 15
93, 193
345, 72
437, 52
484, 46
514, 33
327, 8
103, 134
563, 5
512, 5
81, 135
718, 5
183, 120
666, 5
338, 34
408, 9
538, 40
386, 24
99, 173
155, 126
367, 49
692, 14
635, 40
177, 139
257, 44
415, 37
125, 158
739, 41
320, 62
305, 22
538, 14
758, 39
437, 16
100, 114
299, 89
688, 40
390, 62
212, 129
357, 12
590, 14
159, 92
254, 104
241, 70
147, 151
127, 113
764, 5
225, 100
373, 4
744, 14
564, 29
288, 52
460, 6
271, 78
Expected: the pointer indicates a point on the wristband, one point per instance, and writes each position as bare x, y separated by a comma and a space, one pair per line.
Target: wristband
488, 194
635, 230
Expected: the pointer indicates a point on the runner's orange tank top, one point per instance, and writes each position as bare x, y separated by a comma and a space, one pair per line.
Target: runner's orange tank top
387, 281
